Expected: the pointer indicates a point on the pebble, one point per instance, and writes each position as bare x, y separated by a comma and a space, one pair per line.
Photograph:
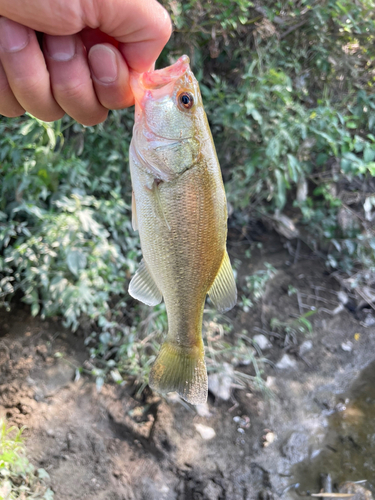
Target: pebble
347, 346
203, 410
369, 320
268, 439
305, 347
286, 362
262, 341
205, 431
220, 383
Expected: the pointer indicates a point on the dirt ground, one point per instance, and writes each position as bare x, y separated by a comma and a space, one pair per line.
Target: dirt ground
114, 446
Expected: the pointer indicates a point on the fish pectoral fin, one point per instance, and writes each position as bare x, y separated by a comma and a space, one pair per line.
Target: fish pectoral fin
156, 192
181, 369
223, 292
134, 213
143, 287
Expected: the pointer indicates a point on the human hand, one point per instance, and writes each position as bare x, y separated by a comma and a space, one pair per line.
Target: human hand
88, 48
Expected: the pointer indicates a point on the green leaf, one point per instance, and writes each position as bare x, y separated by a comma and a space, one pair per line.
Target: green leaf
76, 260
281, 188
294, 167
368, 154
48, 495
43, 474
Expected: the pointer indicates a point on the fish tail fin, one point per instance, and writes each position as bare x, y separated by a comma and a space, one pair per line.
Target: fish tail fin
181, 369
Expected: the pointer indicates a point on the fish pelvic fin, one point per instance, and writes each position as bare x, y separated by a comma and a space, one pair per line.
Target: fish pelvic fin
143, 287
223, 292
181, 369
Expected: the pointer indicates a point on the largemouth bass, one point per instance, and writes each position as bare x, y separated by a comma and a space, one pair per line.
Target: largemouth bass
179, 208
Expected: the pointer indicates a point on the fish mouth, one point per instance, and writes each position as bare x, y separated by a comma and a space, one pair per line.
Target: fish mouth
157, 79
140, 83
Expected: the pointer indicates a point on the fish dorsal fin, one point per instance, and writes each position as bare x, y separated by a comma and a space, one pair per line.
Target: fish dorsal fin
143, 287
223, 292
134, 213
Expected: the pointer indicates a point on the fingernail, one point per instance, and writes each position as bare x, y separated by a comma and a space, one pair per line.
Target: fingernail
60, 48
103, 63
13, 36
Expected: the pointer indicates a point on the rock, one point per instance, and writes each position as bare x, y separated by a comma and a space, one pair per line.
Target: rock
268, 438
262, 341
347, 346
203, 410
369, 320
205, 431
286, 362
360, 493
343, 298
243, 421
305, 347
296, 448
220, 383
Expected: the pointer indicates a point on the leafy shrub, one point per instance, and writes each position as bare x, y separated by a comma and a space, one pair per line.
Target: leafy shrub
65, 233
288, 87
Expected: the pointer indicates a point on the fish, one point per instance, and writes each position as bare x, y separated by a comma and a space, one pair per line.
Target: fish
179, 208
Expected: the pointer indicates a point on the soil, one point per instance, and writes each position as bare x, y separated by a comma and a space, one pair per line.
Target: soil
113, 445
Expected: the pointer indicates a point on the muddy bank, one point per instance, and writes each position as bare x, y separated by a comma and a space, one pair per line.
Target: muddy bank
113, 445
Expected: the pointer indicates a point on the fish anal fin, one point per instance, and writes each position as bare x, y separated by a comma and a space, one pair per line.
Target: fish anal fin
134, 213
223, 292
143, 287
180, 369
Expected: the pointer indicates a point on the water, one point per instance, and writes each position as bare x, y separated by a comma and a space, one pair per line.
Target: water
348, 453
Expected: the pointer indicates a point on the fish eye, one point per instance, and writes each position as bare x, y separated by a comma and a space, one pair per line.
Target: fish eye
185, 100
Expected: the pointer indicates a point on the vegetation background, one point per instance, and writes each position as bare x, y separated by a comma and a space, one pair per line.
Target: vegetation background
288, 88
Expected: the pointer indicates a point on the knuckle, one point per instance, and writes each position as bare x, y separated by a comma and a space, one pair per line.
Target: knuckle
28, 85
75, 99
72, 91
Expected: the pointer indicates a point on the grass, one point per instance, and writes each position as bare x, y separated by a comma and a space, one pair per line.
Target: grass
19, 479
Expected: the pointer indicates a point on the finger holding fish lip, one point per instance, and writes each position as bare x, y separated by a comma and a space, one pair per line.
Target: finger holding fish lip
110, 75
